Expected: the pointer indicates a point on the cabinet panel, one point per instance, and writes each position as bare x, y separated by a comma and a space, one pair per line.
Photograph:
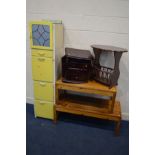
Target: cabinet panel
44, 109
41, 35
42, 53
42, 69
44, 90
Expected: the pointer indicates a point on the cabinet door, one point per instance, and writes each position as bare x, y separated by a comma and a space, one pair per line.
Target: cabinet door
42, 69
44, 109
41, 35
44, 90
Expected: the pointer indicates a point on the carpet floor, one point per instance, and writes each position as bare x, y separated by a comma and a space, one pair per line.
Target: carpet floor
74, 135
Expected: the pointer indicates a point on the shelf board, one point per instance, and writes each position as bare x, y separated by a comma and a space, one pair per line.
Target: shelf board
88, 106
90, 85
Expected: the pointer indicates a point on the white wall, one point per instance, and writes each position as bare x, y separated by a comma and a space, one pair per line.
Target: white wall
86, 22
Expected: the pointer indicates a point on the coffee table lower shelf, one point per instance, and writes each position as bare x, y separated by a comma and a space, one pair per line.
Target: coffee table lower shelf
91, 110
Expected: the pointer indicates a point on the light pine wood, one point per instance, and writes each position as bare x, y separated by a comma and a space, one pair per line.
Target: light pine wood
87, 110
111, 106
55, 114
88, 106
117, 128
90, 85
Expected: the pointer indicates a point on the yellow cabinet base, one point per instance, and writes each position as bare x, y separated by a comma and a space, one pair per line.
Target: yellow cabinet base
44, 109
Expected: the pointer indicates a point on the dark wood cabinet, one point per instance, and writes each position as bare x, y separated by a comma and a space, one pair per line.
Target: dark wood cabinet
76, 65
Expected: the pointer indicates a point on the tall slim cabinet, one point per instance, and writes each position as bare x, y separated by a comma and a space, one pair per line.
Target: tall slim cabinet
46, 42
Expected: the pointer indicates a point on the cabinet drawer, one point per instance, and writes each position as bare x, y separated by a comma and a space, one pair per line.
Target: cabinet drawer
44, 90
44, 109
42, 53
42, 69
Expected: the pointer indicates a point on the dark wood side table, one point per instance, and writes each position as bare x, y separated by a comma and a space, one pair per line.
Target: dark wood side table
93, 107
106, 75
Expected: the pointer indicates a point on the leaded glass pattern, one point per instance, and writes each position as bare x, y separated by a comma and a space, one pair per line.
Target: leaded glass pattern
41, 35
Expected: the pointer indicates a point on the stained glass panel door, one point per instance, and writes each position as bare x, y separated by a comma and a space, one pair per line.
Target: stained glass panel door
41, 35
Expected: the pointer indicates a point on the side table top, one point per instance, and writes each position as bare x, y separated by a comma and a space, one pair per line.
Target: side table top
89, 85
109, 48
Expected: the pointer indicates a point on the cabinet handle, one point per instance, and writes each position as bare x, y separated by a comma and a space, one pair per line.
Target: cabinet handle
42, 83
41, 59
41, 54
42, 102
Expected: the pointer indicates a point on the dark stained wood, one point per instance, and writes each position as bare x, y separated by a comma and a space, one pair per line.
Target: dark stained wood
108, 48
76, 65
78, 53
104, 74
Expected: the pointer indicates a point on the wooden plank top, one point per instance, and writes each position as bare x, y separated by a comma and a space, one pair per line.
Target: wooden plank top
93, 85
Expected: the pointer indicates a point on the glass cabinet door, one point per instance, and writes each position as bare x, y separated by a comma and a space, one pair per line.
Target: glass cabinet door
41, 35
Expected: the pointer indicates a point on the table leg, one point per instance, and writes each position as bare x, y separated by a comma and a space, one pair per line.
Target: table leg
56, 117
56, 95
117, 128
55, 114
56, 100
111, 107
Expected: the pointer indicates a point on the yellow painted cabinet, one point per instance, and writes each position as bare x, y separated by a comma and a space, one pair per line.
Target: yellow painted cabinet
44, 109
46, 43
44, 90
42, 68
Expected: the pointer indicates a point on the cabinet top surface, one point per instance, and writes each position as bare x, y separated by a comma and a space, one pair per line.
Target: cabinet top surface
89, 85
109, 48
78, 53
46, 21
